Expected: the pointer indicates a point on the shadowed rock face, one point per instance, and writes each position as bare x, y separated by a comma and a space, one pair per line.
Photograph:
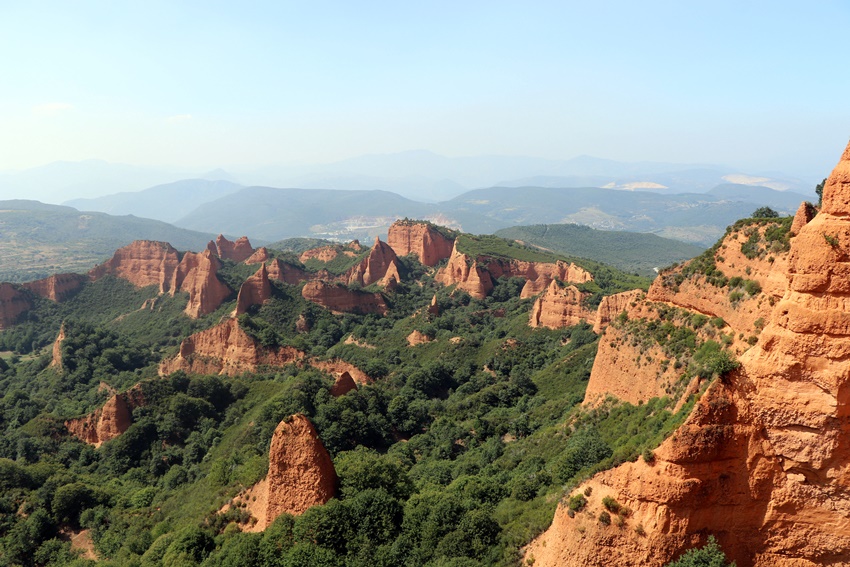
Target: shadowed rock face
763, 462
375, 267
108, 422
57, 287
254, 291
340, 299
144, 263
13, 303
422, 239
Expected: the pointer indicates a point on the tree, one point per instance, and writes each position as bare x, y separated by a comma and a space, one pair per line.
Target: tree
764, 213
819, 191
708, 556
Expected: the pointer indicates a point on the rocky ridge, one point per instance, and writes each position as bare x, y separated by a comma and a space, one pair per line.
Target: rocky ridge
109, 421
423, 239
763, 461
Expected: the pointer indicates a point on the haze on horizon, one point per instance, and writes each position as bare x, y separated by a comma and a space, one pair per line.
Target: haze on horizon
196, 85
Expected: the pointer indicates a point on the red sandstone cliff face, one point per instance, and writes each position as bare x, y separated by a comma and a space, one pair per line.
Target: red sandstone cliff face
56, 361
238, 251
254, 291
763, 462
286, 273
301, 474
340, 299
13, 303
466, 274
57, 287
322, 253
260, 256
196, 275
108, 422
420, 238
560, 307
476, 277
144, 263
226, 349
612, 305
380, 262
343, 384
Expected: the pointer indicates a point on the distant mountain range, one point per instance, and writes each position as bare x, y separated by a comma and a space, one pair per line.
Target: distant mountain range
419, 175
270, 214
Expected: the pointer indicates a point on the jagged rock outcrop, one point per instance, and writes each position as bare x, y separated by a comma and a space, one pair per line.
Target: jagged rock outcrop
254, 291
343, 384
238, 251
57, 287
476, 276
434, 307
421, 238
381, 263
322, 253
561, 307
287, 273
418, 338
339, 299
56, 360
196, 274
144, 263
13, 304
612, 305
301, 474
226, 349
466, 274
336, 367
763, 462
804, 214
260, 256
108, 422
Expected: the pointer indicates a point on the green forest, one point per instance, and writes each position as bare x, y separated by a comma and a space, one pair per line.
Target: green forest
456, 455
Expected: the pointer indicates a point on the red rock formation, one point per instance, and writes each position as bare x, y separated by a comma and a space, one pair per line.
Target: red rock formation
108, 422
434, 308
254, 291
342, 385
196, 275
340, 299
287, 273
57, 287
477, 277
380, 262
337, 367
13, 303
612, 305
260, 256
466, 274
763, 462
226, 349
144, 263
804, 214
56, 362
420, 238
238, 251
560, 307
301, 474
418, 338
322, 253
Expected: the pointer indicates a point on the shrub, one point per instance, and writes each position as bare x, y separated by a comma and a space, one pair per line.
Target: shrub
605, 518
577, 503
611, 505
708, 556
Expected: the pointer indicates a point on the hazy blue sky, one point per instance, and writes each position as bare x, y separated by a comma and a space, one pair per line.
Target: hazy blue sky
204, 84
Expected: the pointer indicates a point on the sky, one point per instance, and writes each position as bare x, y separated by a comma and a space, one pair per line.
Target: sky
758, 85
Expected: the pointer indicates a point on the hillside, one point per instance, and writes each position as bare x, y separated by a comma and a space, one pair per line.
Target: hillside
37, 240
628, 251
166, 203
436, 423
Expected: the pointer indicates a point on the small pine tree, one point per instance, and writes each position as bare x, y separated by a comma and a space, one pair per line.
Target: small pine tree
709, 555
